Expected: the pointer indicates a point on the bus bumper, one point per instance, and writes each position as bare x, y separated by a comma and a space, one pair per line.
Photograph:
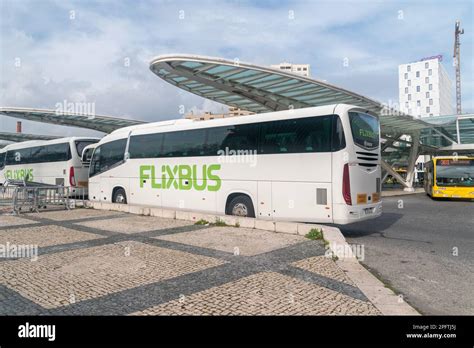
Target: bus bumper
347, 214
454, 192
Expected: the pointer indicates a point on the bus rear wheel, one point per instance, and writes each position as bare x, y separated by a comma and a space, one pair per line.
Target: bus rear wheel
240, 205
119, 196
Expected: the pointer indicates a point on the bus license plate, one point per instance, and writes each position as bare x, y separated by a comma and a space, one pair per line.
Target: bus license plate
368, 211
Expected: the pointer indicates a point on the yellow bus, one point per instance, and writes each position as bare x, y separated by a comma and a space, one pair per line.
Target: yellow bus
450, 177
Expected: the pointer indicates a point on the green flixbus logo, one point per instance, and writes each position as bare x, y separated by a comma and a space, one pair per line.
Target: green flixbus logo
19, 174
181, 177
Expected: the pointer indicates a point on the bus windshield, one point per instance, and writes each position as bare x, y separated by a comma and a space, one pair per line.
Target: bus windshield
81, 144
451, 172
365, 129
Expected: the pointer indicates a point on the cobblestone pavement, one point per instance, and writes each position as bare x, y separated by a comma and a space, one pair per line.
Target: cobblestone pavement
93, 262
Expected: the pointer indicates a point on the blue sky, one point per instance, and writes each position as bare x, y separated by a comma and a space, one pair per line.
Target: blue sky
82, 58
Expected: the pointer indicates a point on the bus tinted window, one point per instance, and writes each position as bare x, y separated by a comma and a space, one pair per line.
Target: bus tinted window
311, 134
184, 143
107, 156
39, 154
2, 159
234, 137
58, 152
338, 136
145, 146
19, 156
365, 129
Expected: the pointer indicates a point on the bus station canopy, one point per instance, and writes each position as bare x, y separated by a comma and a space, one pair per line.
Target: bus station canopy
261, 89
17, 137
457, 125
105, 124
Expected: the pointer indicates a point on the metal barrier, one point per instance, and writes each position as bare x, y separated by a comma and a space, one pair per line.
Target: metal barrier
35, 198
6, 195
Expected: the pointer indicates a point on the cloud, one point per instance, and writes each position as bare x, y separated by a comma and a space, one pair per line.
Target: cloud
99, 51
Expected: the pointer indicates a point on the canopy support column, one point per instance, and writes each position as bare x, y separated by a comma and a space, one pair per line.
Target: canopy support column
393, 173
412, 162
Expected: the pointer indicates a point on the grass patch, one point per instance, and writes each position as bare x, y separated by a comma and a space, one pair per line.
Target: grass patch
220, 223
202, 222
315, 234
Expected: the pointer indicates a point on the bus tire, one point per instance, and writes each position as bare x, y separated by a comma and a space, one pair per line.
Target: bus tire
240, 205
119, 196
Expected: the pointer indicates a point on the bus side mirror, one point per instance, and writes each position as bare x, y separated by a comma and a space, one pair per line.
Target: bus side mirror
126, 157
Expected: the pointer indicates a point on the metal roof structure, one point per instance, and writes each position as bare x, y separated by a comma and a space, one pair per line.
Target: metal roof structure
250, 87
16, 137
460, 126
261, 89
105, 124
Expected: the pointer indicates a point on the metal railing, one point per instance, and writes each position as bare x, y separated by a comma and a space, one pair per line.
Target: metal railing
31, 198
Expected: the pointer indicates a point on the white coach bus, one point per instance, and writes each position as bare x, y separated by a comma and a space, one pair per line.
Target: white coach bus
51, 162
319, 164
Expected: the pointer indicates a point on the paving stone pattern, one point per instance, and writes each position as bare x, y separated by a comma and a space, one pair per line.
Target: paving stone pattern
93, 262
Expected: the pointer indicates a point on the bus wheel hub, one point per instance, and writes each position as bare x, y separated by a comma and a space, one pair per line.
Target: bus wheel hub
239, 210
120, 198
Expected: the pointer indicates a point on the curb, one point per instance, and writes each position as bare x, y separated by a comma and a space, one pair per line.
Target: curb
384, 299
398, 193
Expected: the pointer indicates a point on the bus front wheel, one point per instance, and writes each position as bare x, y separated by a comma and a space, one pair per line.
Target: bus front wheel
119, 196
240, 205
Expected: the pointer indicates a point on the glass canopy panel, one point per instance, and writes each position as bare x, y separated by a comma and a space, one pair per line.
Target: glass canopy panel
192, 65
282, 86
305, 89
179, 79
244, 74
263, 79
218, 70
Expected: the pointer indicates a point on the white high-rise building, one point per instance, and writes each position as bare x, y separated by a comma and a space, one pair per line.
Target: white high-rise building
425, 89
299, 69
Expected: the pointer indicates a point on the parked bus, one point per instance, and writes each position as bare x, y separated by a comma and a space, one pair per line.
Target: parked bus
450, 177
51, 162
319, 164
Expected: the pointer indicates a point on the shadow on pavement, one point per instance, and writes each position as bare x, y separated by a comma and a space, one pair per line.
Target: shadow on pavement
364, 228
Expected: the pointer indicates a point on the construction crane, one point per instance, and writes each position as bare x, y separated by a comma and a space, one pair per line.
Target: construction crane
457, 63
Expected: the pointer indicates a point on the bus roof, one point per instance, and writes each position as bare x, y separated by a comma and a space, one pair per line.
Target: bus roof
32, 143
152, 125
183, 124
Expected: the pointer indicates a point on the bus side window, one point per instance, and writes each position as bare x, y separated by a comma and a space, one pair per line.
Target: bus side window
2, 159
238, 137
338, 136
